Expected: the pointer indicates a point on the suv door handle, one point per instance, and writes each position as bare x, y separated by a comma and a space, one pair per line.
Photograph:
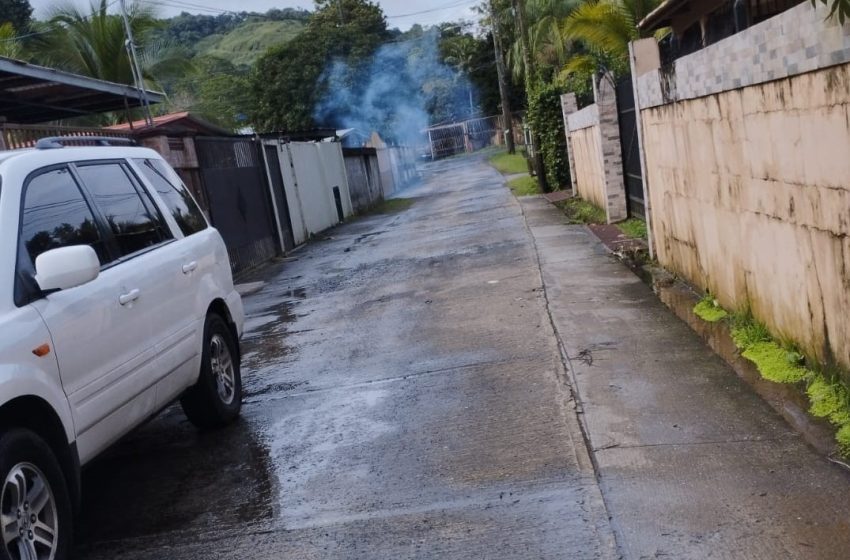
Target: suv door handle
187, 268
129, 297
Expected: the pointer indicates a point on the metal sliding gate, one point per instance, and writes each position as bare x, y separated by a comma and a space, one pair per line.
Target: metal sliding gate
629, 146
234, 176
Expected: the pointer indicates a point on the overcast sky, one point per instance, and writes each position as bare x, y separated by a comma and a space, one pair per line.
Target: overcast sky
400, 13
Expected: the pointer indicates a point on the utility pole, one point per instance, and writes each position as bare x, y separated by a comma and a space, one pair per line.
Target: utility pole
138, 79
503, 83
537, 160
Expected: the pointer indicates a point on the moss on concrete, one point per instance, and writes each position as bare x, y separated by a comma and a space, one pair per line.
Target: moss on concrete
828, 396
709, 310
829, 399
773, 364
842, 436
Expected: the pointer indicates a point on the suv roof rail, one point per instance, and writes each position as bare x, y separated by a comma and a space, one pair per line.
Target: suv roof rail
54, 142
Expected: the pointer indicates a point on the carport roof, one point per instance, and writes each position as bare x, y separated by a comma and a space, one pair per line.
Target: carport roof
32, 94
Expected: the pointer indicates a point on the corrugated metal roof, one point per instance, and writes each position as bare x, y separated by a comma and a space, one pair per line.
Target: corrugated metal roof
34, 94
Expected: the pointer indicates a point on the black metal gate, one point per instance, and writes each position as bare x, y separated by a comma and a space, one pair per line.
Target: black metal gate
629, 146
234, 176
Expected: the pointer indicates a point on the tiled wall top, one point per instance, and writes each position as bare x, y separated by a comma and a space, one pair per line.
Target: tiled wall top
588, 116
793, 42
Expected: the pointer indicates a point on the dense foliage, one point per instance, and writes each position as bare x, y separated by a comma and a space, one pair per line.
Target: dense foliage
188, 29
287, 82
16, 12
544, 115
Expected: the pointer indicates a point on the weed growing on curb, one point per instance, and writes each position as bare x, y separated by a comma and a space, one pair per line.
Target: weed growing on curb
582, 211
634, 228
828, 396
709, 310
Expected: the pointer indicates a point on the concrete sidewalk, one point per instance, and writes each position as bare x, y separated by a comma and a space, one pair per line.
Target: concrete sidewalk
691, 462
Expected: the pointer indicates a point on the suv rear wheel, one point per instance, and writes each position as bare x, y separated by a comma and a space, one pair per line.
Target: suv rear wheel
35, 509
216, 399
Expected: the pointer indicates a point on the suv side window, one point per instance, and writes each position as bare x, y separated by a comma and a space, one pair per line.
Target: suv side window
56, 215
180, 203
131, 216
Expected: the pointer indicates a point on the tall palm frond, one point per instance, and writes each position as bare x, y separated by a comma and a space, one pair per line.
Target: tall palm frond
583, 64
605, 28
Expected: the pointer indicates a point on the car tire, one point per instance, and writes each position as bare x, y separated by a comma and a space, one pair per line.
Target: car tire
34, 500
216, 399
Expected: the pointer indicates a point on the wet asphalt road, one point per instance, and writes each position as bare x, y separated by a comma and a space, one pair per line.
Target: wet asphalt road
405, 398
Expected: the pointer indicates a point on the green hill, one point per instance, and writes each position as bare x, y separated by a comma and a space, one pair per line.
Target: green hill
250, 39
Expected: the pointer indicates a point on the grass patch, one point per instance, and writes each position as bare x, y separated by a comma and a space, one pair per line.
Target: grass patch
709, 310
509, 164
634, 228
392, 205
524, 186
583, 212
746, 331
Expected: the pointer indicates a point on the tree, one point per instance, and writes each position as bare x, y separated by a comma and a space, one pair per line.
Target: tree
16, 12
93, 44
215, 89
290, 79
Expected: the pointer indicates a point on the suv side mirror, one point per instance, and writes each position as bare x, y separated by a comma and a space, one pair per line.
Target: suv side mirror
66, 267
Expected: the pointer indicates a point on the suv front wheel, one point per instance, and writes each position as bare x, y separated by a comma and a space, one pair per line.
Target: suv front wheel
35, 509
216, 399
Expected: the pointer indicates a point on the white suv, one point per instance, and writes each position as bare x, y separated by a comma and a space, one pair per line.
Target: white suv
116, 298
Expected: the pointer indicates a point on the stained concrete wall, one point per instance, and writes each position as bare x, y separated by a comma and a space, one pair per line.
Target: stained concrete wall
310, 171
751, 201
589, 175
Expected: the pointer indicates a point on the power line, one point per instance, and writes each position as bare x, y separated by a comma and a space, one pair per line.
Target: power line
190, 6
47, 31
431, 10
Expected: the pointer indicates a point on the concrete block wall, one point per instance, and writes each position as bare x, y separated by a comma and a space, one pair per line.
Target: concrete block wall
794, 42
594, 151
747, 172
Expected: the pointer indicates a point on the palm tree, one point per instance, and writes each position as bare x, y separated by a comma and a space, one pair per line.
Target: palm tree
604, 28
93, 44
548, 45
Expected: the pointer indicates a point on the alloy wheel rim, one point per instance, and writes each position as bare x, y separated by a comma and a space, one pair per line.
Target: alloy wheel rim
221, 364
29, 519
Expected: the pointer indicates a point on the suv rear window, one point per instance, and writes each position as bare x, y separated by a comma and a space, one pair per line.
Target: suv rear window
56, 215
174, 194
132, 217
